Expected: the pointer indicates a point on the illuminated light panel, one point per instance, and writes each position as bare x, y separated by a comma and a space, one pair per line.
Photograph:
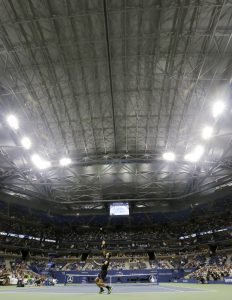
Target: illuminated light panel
195, 155
218, 108
26, 143
13, 122
190, 157
39, 162
207, 132
199, 150
170, 156
65, 161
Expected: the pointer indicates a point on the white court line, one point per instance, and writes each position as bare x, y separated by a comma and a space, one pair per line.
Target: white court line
196, 289
169, 290
121, 293
188, 289
82, 293
94, 293
166, 288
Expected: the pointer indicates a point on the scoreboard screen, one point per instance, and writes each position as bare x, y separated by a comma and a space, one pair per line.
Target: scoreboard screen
119, 209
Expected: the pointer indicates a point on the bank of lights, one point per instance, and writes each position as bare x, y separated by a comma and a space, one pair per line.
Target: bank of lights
26, 143
39, 162
207, 132
13, 122
218, 108
65, 161
169, 156
195, 155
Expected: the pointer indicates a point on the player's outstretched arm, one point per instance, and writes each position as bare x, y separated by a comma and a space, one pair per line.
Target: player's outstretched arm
103, 247
96, 263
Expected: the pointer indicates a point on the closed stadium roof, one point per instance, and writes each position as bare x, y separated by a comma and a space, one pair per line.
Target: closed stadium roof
112, 85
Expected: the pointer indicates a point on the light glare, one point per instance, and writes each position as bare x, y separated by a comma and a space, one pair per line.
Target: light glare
26, 143
39, 162
170, 156
207, 132
199, 150
65, 161
218, 108
190, 157
13, 122
195, 155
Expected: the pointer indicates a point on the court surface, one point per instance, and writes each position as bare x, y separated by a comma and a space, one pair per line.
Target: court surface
121, 292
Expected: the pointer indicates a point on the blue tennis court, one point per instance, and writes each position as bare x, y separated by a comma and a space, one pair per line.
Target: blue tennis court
117, 289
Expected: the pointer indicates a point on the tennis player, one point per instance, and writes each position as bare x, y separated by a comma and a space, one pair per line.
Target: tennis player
101, 277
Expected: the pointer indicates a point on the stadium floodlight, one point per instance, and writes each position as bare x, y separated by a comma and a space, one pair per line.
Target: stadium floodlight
39, 162
26, 143
170, 156
65, 161
199, 150
190, 157
195, 155
218, 108
13, 122
207, 132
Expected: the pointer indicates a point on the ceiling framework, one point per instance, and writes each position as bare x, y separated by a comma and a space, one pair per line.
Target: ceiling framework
113, 85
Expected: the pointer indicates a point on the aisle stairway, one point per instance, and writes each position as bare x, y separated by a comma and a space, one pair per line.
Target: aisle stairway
7, 263
228, 260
